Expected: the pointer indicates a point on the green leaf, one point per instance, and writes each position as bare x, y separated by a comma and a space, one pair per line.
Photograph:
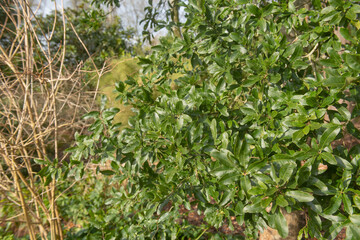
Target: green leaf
255, 166
239, 208
327, 10
353, 61
297, 135
223, 157
143, 61
253, 208
93, 114
283, 158
281, 224
299, 64
235, 36
281, 201
229, 178
199, 195
40, 161
245, 183
115, 166
286, 171
256, 191
48, 180
345, 113
164, 217
333, 231
239, 49
334, 205
195, 60
274, 78
213, 129
223, 110
110, 113
356, 200
300, 196
328, 157
347, 204
248, 109
329, 62
339, 218
355, 218
107, 172
336, 160
324, 190
226, 197
335, 82
251, 80
243, 151
120, 86
343, 163
253, 9
44, 171
346, 34
329, 135
306, 129
223, 170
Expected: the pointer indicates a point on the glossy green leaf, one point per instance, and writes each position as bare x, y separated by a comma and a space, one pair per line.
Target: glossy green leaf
281, 224
300, 195
243, 151
253, 9
334, 205
253, 208
329, 135
281, 201
347, 204
356, 200
226, 197
223, 157
345, 113
343, 163
339, 218
223, 170
229, 178
355, 218
286, 171
93, 114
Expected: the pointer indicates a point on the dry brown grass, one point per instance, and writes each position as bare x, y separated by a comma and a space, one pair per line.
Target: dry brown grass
41, 102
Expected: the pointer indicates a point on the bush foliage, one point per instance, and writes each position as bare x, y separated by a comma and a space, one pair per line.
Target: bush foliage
253, 126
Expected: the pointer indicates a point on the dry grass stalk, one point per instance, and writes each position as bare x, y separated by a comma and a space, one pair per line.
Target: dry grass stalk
40, 99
